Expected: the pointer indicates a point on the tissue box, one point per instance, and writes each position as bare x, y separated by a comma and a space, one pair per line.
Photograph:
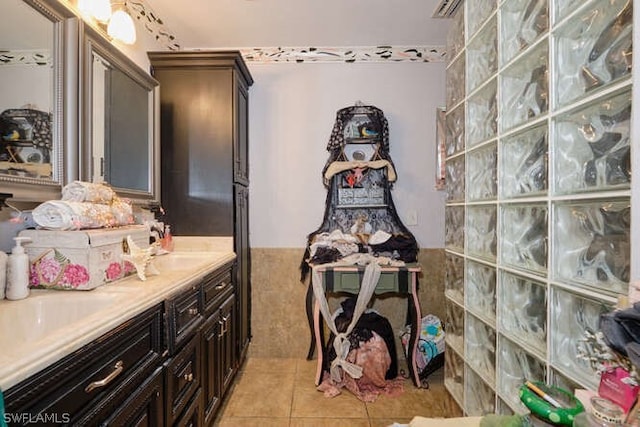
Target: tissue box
80, 260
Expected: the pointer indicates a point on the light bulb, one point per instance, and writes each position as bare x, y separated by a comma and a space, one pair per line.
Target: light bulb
121, 27
100, 10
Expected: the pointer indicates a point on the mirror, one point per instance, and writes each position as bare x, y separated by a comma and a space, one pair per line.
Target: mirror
38, 48
119, 136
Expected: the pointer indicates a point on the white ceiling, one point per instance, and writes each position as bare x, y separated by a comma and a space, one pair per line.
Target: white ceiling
312, 23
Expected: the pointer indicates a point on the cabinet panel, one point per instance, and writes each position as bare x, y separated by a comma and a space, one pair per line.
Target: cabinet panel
193, 414
183, 374
241, 138
211, 378
227, 357
214, 287
184, 316
122, 359
242, 271
145, 407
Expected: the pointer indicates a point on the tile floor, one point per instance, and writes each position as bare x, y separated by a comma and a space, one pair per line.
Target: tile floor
281, 393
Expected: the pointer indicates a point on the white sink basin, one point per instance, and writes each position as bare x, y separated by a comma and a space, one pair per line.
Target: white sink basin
45, 313
177, 261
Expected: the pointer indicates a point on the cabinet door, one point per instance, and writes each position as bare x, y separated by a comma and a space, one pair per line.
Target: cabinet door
241, 137
145, 407
211, 382
182, 378
227, 342
242, 272
193, 414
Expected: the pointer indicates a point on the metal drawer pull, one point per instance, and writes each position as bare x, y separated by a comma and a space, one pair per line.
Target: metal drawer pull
188, 377
192, 311
117, 370
222, 329
221, 286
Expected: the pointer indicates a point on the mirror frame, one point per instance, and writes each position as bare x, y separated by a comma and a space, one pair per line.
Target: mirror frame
64, 127
96, 41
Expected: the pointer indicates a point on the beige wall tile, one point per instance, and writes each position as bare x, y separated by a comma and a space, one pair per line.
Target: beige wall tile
279, 323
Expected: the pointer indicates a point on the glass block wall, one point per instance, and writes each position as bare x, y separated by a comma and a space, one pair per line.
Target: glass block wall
538, 175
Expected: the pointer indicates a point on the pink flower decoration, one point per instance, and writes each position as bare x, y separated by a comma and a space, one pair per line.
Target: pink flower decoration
129, 267
48, 268
75, 275
114, 271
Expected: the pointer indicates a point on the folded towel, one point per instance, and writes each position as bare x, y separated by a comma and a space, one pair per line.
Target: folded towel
65, 215
80, 191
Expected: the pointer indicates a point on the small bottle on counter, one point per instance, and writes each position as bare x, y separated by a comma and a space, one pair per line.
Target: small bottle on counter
18, 271
3, 273
167, 240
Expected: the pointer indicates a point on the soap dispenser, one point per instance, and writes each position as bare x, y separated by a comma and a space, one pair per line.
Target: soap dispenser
3, 273
18, 271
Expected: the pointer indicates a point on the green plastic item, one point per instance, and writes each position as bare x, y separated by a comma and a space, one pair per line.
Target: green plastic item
570, 406
3, 421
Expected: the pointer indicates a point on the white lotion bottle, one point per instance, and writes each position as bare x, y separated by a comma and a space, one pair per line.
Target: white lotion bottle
18, 271
3, 273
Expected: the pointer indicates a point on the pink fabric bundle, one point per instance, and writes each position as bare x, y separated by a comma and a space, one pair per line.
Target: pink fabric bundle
373, 356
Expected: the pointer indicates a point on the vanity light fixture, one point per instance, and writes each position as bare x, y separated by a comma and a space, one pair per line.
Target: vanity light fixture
100, 10
121, 26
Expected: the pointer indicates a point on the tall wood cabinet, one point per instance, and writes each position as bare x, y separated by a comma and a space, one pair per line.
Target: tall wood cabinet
204, 102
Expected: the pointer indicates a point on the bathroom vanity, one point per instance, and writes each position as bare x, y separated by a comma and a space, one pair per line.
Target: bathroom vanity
158, 352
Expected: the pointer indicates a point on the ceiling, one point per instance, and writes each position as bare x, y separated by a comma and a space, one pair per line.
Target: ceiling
202, 24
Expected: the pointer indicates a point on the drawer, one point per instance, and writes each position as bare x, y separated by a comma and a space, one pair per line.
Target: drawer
349, 281
214, 287
143, 404
183, 376
193, 414
119, 360
184, 316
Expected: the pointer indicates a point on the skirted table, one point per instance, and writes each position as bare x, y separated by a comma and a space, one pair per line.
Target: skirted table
402, 281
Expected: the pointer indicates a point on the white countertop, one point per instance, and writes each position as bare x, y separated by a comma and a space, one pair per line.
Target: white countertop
38, 331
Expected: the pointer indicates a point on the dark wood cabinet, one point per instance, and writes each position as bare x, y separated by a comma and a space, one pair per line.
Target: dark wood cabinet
241, 141
170, 365
193, 414
204, 120
183, 374
204, 362
242, 272
227, 362
219, 353
97, 380
145, 407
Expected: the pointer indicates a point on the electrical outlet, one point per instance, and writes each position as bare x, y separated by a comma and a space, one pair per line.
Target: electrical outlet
412, 217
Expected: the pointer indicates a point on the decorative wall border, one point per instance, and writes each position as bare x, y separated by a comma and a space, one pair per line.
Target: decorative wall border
153, 24
345, 54
25, 57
